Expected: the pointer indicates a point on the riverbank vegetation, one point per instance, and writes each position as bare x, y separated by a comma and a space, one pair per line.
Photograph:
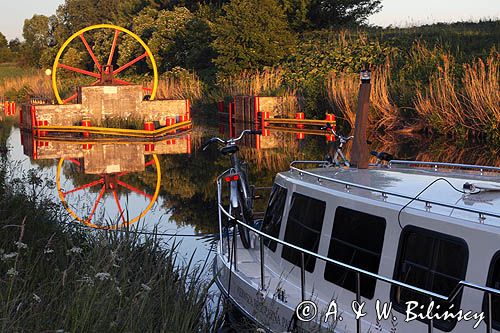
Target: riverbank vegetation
55, 276
440, 78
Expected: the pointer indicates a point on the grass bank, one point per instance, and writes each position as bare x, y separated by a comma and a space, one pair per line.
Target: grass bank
56, 276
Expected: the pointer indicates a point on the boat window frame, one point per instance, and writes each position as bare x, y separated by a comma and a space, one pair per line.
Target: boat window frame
332, 239
268, 242
442, 236
286, 248
494, 259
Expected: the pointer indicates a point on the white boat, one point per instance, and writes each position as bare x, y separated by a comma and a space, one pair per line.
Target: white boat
396, 247
404, 232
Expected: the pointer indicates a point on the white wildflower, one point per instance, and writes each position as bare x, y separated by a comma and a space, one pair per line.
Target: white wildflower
145, 287
48, 251
21, 245
9, 256
12, 272
103, 276
119, 291
37, 298
75, 250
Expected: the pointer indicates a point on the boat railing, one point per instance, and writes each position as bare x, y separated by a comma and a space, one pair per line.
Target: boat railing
482, 214
437, 165
357, 271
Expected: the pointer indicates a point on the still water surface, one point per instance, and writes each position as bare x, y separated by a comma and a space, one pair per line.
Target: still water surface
186, 191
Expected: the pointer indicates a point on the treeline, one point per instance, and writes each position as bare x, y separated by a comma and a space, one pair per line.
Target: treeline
232, 35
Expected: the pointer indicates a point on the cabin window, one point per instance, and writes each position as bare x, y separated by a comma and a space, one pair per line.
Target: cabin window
274, 214
494, 282
431, 261
356, 240
303, 229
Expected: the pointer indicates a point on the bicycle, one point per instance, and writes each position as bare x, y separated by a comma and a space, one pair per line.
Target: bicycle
334, 160
240, 194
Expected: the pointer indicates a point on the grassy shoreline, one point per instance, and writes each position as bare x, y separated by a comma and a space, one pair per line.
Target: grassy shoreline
55, 276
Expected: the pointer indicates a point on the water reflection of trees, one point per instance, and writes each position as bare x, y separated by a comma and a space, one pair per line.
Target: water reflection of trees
441, 149
188, 185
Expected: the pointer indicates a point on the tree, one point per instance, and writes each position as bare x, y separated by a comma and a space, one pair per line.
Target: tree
159, 29
35, 33
297, 12
5, 53
250, 35
335, 13
78, 14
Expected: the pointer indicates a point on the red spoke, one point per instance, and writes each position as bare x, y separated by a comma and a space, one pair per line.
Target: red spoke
119, 206
123, 174
92, 184
113, 47
75, 161
99, 197
147, 88
149, 163
78, 70
133, 189
71, 98
87, 46
127, 65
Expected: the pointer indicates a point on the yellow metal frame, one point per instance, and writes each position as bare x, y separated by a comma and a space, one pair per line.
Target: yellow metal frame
114, 131
92, 225
103, 26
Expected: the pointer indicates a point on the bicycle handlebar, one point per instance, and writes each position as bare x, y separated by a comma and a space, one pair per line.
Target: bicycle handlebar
328, 126
225, 142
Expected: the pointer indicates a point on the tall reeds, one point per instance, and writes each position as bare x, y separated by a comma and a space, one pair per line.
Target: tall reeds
467, 105
268, 82
19, 87
180, 84
450, 99
342, 91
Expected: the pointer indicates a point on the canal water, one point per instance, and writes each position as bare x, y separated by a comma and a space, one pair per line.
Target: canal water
104, 184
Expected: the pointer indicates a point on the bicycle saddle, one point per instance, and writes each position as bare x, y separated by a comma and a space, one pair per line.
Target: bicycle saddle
228, 150
383, 156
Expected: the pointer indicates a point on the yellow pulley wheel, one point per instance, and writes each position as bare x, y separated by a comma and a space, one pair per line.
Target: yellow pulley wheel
109, 184
103, 68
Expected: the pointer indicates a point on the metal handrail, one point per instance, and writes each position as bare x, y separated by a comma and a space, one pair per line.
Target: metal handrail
432, 295
481, 213
481, 168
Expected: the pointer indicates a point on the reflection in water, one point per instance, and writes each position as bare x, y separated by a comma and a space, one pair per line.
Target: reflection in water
95, 179
186, 194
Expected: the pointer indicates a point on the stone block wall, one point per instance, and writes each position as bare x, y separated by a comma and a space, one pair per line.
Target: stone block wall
107, 102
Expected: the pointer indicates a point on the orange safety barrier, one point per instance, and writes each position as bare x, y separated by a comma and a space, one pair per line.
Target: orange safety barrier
86, 123
149, 126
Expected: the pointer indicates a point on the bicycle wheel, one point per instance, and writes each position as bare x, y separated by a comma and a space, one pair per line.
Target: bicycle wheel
244, 214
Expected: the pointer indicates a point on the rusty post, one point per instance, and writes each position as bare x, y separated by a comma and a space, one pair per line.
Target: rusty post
360, 154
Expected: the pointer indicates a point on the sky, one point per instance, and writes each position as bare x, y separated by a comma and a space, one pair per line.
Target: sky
394, 12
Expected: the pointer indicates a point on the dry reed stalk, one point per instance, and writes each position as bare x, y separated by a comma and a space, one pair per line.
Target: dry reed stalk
342, 91
385, 112
185, 86
253, 83
440, 108
482, 93
289, 104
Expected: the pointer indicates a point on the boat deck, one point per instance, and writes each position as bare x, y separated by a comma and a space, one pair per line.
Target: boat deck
440, 192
